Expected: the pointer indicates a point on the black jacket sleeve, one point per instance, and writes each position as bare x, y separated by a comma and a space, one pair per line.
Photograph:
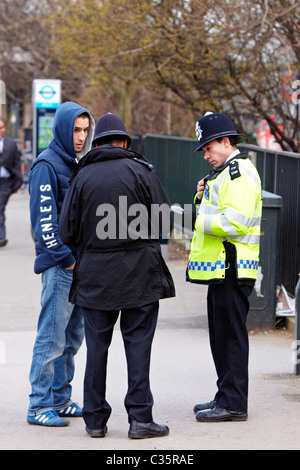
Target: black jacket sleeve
67, 227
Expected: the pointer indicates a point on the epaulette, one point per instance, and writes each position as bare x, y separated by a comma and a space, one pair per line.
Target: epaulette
144, 162
234, 170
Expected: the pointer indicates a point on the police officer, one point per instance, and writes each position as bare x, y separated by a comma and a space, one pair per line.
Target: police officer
225, 254
120, 268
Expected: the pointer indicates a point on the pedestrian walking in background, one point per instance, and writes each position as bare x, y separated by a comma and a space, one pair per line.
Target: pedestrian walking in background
10, 175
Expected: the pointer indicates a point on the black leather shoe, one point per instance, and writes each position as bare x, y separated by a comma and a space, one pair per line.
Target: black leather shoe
147, 430
219, 414
97, 432
3, 242
205, 406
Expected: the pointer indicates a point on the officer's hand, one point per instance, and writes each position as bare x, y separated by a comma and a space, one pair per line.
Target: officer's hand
200, 188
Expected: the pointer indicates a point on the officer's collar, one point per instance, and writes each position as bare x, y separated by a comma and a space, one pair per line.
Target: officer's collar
215, 171
232, 155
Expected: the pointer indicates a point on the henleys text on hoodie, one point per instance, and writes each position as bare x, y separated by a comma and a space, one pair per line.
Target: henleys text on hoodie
48, 183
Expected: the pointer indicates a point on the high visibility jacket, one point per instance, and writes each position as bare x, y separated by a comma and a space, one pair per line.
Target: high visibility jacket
230, 210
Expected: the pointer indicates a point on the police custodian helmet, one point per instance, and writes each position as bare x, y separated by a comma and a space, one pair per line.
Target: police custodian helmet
110, 125
214, 126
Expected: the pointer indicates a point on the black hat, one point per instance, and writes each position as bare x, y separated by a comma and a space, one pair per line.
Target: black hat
214, 126
111, 125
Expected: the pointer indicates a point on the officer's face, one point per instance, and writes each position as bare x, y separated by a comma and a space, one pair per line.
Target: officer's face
216, 152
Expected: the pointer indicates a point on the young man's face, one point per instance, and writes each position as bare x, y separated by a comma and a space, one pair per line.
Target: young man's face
81, 129
216, 152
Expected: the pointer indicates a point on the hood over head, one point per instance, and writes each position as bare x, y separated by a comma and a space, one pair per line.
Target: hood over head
63, 129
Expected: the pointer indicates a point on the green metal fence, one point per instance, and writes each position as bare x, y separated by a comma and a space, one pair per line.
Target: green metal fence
177, 164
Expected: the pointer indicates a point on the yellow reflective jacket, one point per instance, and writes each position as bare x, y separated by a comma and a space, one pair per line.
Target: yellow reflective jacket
230, 209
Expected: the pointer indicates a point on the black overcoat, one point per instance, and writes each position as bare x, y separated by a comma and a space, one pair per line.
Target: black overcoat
115, 213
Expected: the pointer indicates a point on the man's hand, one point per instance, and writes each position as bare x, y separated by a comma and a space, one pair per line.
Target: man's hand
200, 188
70, 268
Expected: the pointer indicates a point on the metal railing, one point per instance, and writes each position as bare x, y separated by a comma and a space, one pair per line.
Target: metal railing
280, 174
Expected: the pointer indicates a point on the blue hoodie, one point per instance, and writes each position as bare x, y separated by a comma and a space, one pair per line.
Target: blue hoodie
48, 183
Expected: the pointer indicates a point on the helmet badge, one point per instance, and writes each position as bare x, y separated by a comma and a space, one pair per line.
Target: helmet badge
198, 131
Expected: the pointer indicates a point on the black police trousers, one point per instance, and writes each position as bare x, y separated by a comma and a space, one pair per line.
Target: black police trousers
228, 307
137, 327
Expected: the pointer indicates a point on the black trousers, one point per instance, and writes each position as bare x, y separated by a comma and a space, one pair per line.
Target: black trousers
137, 327
228, 308
6, 185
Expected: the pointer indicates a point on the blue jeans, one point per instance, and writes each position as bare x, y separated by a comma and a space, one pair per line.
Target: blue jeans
59, 336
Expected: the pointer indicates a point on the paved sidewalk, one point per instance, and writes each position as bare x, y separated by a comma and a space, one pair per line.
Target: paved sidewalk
182, 369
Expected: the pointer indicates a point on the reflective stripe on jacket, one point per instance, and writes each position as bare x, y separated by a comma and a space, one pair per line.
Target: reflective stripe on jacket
230, 209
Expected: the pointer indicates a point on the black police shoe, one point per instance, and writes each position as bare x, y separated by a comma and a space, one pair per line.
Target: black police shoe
3, 242
217, 414
205, 406
97, 432
147, 430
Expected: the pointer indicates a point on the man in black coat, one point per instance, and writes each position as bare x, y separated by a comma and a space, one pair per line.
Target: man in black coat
115, 212
10, 175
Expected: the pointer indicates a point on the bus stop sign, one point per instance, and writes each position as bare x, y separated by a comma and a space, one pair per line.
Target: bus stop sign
46, 97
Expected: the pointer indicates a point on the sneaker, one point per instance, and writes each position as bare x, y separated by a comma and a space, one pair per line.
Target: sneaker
72, 410
48, 418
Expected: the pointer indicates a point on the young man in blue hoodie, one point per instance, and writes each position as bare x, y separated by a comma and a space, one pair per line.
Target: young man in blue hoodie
60, 325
